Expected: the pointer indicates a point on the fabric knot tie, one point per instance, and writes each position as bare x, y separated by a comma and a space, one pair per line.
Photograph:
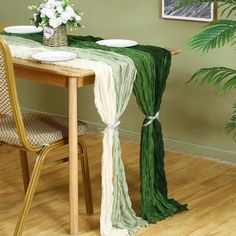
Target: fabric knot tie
110, 126
151, 119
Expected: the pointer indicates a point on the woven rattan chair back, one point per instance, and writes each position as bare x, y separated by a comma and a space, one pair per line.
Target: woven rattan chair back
5, 103
9, 104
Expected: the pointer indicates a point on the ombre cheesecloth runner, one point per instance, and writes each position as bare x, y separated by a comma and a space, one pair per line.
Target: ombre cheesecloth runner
143, 69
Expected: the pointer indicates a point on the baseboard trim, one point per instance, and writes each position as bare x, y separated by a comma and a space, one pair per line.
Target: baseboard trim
206, 152
172, 145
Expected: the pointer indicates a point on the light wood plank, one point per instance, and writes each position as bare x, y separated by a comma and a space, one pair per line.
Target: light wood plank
208, 187
73, 156
51, 74
3, 148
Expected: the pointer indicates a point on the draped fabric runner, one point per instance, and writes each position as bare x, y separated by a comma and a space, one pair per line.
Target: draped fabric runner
152, 64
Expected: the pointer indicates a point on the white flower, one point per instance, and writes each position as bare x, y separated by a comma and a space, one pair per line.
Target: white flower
78, 18
52, 2
42, 5
35, 16
58, 3
50, 13
59, 20
59, 9
43, 12
54, 13
55, 22
46, 5
64, 17
70, 11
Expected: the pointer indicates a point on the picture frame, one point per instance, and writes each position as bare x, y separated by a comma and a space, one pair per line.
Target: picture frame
202, 12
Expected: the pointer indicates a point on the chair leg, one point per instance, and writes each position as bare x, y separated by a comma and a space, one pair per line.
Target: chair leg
24, 168
86, 178
30, 193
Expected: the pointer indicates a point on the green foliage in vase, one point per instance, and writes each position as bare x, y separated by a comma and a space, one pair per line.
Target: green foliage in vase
215, 35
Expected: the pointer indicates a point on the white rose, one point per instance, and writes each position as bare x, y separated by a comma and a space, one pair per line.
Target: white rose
58, 3
70, 11
42, 5
50, 13
51, 1
43, 12
54, 22
64, 17
59, 20
78, 18
59, 9
47, 5
35, 16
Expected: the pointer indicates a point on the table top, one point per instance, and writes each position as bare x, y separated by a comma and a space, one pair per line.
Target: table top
54, 74
174, 51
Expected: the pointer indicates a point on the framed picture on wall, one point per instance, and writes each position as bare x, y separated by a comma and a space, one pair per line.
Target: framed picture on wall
196, 12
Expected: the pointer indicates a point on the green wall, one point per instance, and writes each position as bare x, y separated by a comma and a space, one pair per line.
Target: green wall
193, 118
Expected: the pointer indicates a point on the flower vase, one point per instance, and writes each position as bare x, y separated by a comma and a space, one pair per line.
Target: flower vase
55, 37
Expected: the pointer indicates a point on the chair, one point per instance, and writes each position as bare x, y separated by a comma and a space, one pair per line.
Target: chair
35, 132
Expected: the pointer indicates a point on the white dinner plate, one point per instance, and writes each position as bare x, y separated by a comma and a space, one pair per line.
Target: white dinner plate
23, 29
119, 43
54, 56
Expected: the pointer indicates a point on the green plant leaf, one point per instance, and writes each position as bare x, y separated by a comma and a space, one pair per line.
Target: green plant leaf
216, 35
231, 126
221, 79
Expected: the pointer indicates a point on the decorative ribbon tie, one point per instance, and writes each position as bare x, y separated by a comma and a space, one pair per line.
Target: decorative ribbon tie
151, 119
113, 126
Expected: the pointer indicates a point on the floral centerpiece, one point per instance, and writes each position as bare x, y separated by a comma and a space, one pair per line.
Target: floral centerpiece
54, 16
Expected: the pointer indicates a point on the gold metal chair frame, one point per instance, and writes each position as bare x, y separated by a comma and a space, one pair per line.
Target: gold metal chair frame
30, 183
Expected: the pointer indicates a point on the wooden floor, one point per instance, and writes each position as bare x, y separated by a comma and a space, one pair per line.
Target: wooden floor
207, 186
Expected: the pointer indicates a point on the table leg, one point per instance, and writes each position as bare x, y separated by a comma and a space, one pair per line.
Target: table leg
73, 156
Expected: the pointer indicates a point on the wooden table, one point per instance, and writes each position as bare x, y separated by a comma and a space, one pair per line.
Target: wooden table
72, 79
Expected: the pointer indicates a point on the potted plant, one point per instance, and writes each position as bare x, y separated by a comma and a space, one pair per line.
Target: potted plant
54, 16
215, 35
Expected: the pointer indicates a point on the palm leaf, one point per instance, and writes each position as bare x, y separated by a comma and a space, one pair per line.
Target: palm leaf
221, 79
228, 6
231, 126
216, 35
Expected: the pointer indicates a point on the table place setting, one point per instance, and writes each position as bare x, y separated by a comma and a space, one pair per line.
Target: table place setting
121, 67
23, 29
48, 56
54, 56
119, 43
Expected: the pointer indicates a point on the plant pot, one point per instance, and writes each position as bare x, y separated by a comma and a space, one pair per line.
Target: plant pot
55, 37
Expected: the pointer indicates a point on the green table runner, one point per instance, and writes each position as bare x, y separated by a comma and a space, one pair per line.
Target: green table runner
152, 64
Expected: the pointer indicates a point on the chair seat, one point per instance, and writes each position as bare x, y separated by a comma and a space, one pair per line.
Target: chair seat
41, 129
